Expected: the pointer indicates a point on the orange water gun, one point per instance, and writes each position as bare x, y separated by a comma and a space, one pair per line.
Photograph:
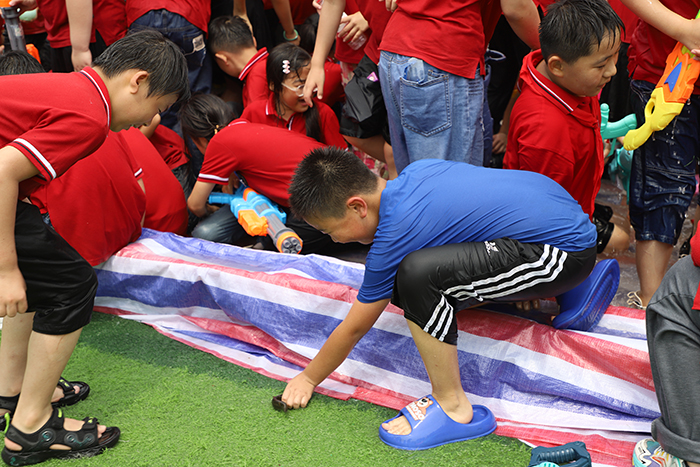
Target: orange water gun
14, 29
259, 216
669, 96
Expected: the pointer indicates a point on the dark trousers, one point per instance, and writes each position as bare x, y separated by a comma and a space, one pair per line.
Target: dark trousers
673, 335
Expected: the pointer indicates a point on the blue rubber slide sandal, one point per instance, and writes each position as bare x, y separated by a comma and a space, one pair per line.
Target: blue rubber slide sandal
584, 305
431, 427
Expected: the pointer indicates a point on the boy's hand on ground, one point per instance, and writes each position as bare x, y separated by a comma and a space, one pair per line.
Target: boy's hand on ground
13, 295
298, 392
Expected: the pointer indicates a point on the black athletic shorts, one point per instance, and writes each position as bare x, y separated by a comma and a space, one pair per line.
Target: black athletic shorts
61, 285
432, 283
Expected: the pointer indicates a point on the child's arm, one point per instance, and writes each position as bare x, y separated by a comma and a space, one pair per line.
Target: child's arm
359, 320
654, 13
523, 18
284, 14
80, 22
14, 167
325, 37
197, 202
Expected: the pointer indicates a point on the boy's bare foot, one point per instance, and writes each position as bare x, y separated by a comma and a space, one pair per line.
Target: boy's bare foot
401, 426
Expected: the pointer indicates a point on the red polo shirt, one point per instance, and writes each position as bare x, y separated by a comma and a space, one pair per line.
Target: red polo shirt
166, 207
557, 134
170, 146
447, 34
264, 112
265, 156
64, 118
377, 16
254, 77
97, 206
56, 23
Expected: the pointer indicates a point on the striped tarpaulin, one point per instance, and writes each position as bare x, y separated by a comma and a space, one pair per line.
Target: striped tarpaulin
272, 312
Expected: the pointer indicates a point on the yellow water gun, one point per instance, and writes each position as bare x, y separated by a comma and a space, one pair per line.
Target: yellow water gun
669, 96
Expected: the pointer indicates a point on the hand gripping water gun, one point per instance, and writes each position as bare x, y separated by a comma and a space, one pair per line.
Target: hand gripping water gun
669, 96
259, 216
14, 29
572, 454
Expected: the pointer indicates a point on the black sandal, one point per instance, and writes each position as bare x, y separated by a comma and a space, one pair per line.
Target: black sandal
70, 397
7, 403
36, 446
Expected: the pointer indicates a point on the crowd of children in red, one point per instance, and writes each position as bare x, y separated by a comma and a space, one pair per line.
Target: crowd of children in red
175, 99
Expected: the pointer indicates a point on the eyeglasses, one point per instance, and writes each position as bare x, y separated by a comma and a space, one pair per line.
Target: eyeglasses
299, 90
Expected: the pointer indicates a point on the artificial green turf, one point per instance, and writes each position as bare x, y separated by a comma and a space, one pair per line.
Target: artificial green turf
177, 406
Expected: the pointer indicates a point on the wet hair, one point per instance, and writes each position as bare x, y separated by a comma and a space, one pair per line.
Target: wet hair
149, 51
204, 115
19, 62
572, 29
229, 34
298, 58
325, 179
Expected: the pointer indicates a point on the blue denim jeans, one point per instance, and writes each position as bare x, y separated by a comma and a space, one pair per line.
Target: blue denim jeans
190, 39
662, 178
432, 114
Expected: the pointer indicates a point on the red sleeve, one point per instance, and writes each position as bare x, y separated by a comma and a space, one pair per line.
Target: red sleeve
255, 85
333, 90
53, 144
218, 163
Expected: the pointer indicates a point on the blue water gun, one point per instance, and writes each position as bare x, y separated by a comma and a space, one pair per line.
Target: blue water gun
259, 216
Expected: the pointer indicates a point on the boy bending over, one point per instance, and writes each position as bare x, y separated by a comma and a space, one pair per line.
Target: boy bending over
46, 288
445, 236
555, 124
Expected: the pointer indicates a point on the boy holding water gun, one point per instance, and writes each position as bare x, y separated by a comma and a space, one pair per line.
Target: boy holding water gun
555, 124
263, 156
662, 179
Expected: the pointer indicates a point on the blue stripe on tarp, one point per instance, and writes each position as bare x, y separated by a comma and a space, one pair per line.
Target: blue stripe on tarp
316, 266
235, 344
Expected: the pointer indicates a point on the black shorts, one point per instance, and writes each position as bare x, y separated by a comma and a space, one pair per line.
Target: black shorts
61, 285
364, 113
432, 283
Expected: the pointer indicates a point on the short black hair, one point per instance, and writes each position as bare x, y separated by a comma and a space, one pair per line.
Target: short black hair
19, 62
325, 179
571, 29
204, 115
149, 51
229, 34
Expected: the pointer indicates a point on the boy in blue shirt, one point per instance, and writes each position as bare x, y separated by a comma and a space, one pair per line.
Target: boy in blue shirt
446, 236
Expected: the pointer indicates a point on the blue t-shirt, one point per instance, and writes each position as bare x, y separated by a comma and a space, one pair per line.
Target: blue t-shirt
435, 202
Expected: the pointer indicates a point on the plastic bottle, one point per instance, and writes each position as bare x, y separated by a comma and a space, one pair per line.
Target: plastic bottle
13, 26
355, 43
